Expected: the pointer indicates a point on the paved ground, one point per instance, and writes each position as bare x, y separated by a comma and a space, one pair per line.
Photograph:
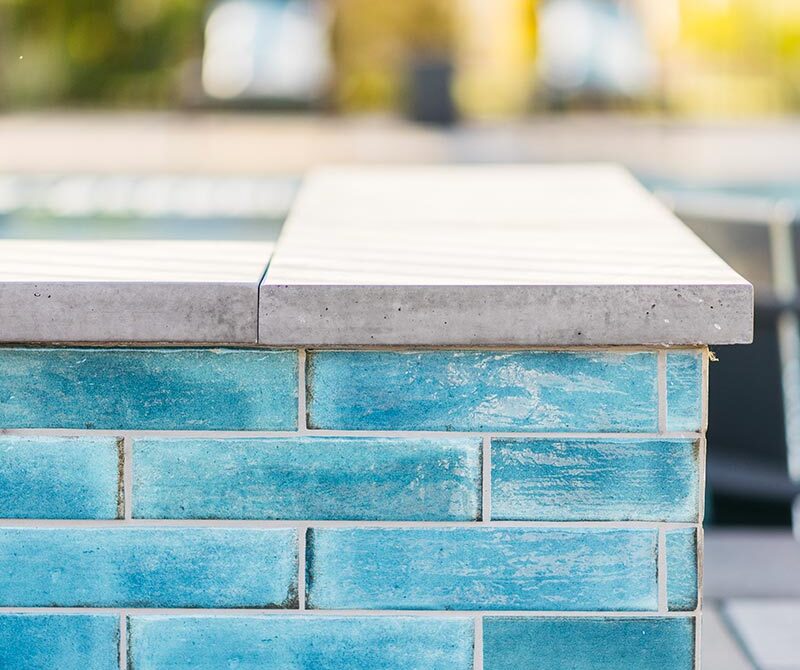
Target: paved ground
260, 144
752, 601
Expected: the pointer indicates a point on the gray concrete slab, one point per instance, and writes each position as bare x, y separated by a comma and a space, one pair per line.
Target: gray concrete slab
534, 255
130, 290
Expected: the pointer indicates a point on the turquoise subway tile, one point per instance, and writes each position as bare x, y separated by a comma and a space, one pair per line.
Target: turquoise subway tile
147, 567
595, 479
60, 477
308, 478
157, 389
59, 641
682, 584
588, 643
482, 568
480, 390
300, 643
684, 390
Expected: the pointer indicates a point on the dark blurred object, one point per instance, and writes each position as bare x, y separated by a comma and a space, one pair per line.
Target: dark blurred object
430, 94
754, 390
377, 46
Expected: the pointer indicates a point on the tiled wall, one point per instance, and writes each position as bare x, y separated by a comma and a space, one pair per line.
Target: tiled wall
441, 510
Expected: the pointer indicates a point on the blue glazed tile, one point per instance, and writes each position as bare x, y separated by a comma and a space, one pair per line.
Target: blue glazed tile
147, 567
684, 390
59, 641
482, 568
308, 478
480, 390
158, 389
588, 643
59, 478
300, 643
682, 569
595, 479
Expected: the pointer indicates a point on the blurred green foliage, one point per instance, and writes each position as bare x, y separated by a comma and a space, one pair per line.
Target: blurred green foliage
131, 53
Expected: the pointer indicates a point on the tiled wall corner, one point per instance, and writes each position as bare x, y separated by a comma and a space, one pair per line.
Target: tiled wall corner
438, 509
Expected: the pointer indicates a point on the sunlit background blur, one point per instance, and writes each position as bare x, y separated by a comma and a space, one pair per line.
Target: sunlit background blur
480, 58
197, 119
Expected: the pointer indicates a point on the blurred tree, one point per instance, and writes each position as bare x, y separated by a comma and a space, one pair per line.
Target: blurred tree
96, 52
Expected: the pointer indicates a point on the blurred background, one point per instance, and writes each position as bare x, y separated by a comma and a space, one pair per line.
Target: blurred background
197, 119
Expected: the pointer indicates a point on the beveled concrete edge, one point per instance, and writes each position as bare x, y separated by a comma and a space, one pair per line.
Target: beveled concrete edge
494, 315
130, 312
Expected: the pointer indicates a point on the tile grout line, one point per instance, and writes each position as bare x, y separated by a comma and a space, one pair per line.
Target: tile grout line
486, 479
457, 614
127, 476
661, 570
302, 417
443, 434
703, 447
301, 567
332, 523
477, 644
662, 391
123, 640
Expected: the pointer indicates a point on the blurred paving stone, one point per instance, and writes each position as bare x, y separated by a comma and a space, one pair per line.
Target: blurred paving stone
751, 564
769, 629
720, 650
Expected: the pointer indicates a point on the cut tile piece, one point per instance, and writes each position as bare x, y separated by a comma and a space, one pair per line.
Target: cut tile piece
481, 568
684, 390
59, 641
300, 643
46, 477
682, 583
130, 290
588, 643
607, 479
148, 389
358, 478
544, 391
148, 567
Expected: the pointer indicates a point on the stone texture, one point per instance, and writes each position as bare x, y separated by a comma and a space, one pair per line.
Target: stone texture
148, 567
595, 479
588, 643
65, 642
161, 389
483, 390
60, 477
300, 643
308, 478
482, 569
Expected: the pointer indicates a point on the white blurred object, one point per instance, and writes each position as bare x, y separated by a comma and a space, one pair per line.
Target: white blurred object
266, 49
596, 46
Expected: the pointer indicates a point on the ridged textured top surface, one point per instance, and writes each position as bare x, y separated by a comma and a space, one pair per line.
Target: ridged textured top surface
565, 255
